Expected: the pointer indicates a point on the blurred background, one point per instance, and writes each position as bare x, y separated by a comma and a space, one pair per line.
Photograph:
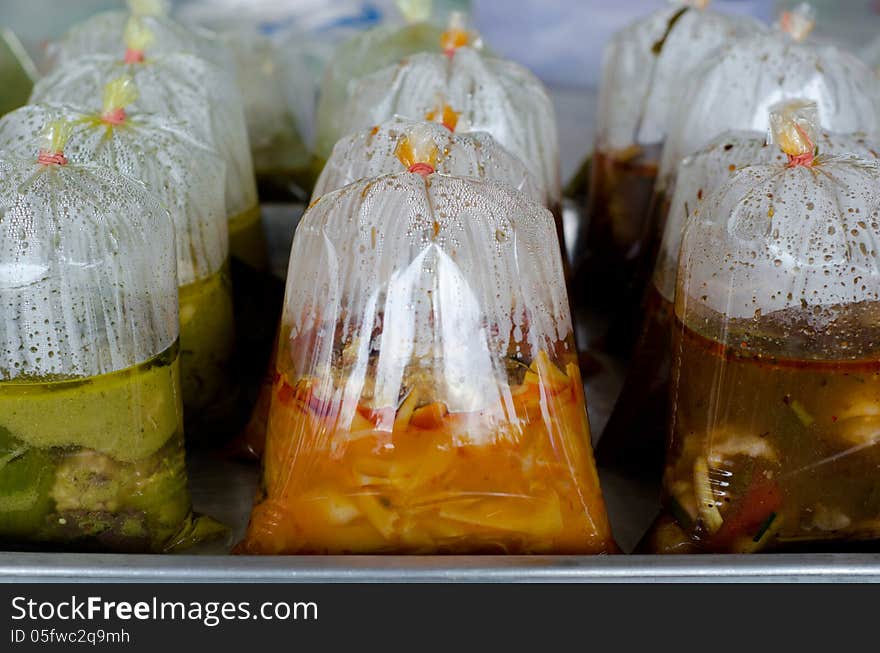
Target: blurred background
560, 40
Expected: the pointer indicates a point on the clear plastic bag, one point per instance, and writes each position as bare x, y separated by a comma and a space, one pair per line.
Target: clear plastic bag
735, 89
427, 397
188, 179
104, 33
276, 145
91, 427
188, 89
492, 95
374, 152
776, 369
635, 436
266, 85
363, 55
646, 67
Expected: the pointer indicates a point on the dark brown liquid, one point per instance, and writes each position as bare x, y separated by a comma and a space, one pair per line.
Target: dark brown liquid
788, 442
634, 440
619, 199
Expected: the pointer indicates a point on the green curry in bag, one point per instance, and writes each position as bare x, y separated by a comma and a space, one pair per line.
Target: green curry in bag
91, 428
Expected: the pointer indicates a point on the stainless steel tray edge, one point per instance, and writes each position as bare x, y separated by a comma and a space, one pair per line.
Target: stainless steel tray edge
814, 568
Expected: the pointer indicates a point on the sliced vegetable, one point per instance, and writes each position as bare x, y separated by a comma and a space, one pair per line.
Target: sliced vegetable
430, 416
548, 375
406, 410
764, 527
684, 519
761, 500
800, 412
706, 505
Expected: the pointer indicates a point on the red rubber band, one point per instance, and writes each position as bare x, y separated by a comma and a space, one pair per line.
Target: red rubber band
802, 159
114, 116
51, 158
423, 169
134, 56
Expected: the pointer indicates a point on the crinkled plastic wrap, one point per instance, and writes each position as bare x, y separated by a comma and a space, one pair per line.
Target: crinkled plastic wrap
104, 32
427, 397
275, 141
91, 429
192, 91
265, 83
363, 55
373, 152
776, 372
736, 88
635, 437
492, 95
646, 68
188, 180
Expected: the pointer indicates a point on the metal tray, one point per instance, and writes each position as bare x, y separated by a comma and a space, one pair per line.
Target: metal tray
224, 489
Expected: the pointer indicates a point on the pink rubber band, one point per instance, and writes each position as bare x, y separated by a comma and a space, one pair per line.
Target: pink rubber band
802, 159
423, 169
114, 116
50, 158
134, 56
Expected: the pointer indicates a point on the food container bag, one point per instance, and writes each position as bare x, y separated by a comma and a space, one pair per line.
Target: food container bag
188, 179
634, 440
735, 89
277, 148
646, 67
103, 34
17, 72
492, 95
375, 152
91, 426
776, 366
427, 397
188, 89
282, 160
364, 54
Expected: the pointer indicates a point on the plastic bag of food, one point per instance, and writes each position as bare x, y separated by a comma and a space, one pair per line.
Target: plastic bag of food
17, 72
646, 67
634, 439
427, 396
365, 54
91, 426
492, 95
277, 148
184, 87
376, 152
736, 87
103, 34
776, 372
188, 179
281, 157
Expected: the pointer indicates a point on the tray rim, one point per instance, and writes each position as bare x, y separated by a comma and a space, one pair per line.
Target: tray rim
128, 568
